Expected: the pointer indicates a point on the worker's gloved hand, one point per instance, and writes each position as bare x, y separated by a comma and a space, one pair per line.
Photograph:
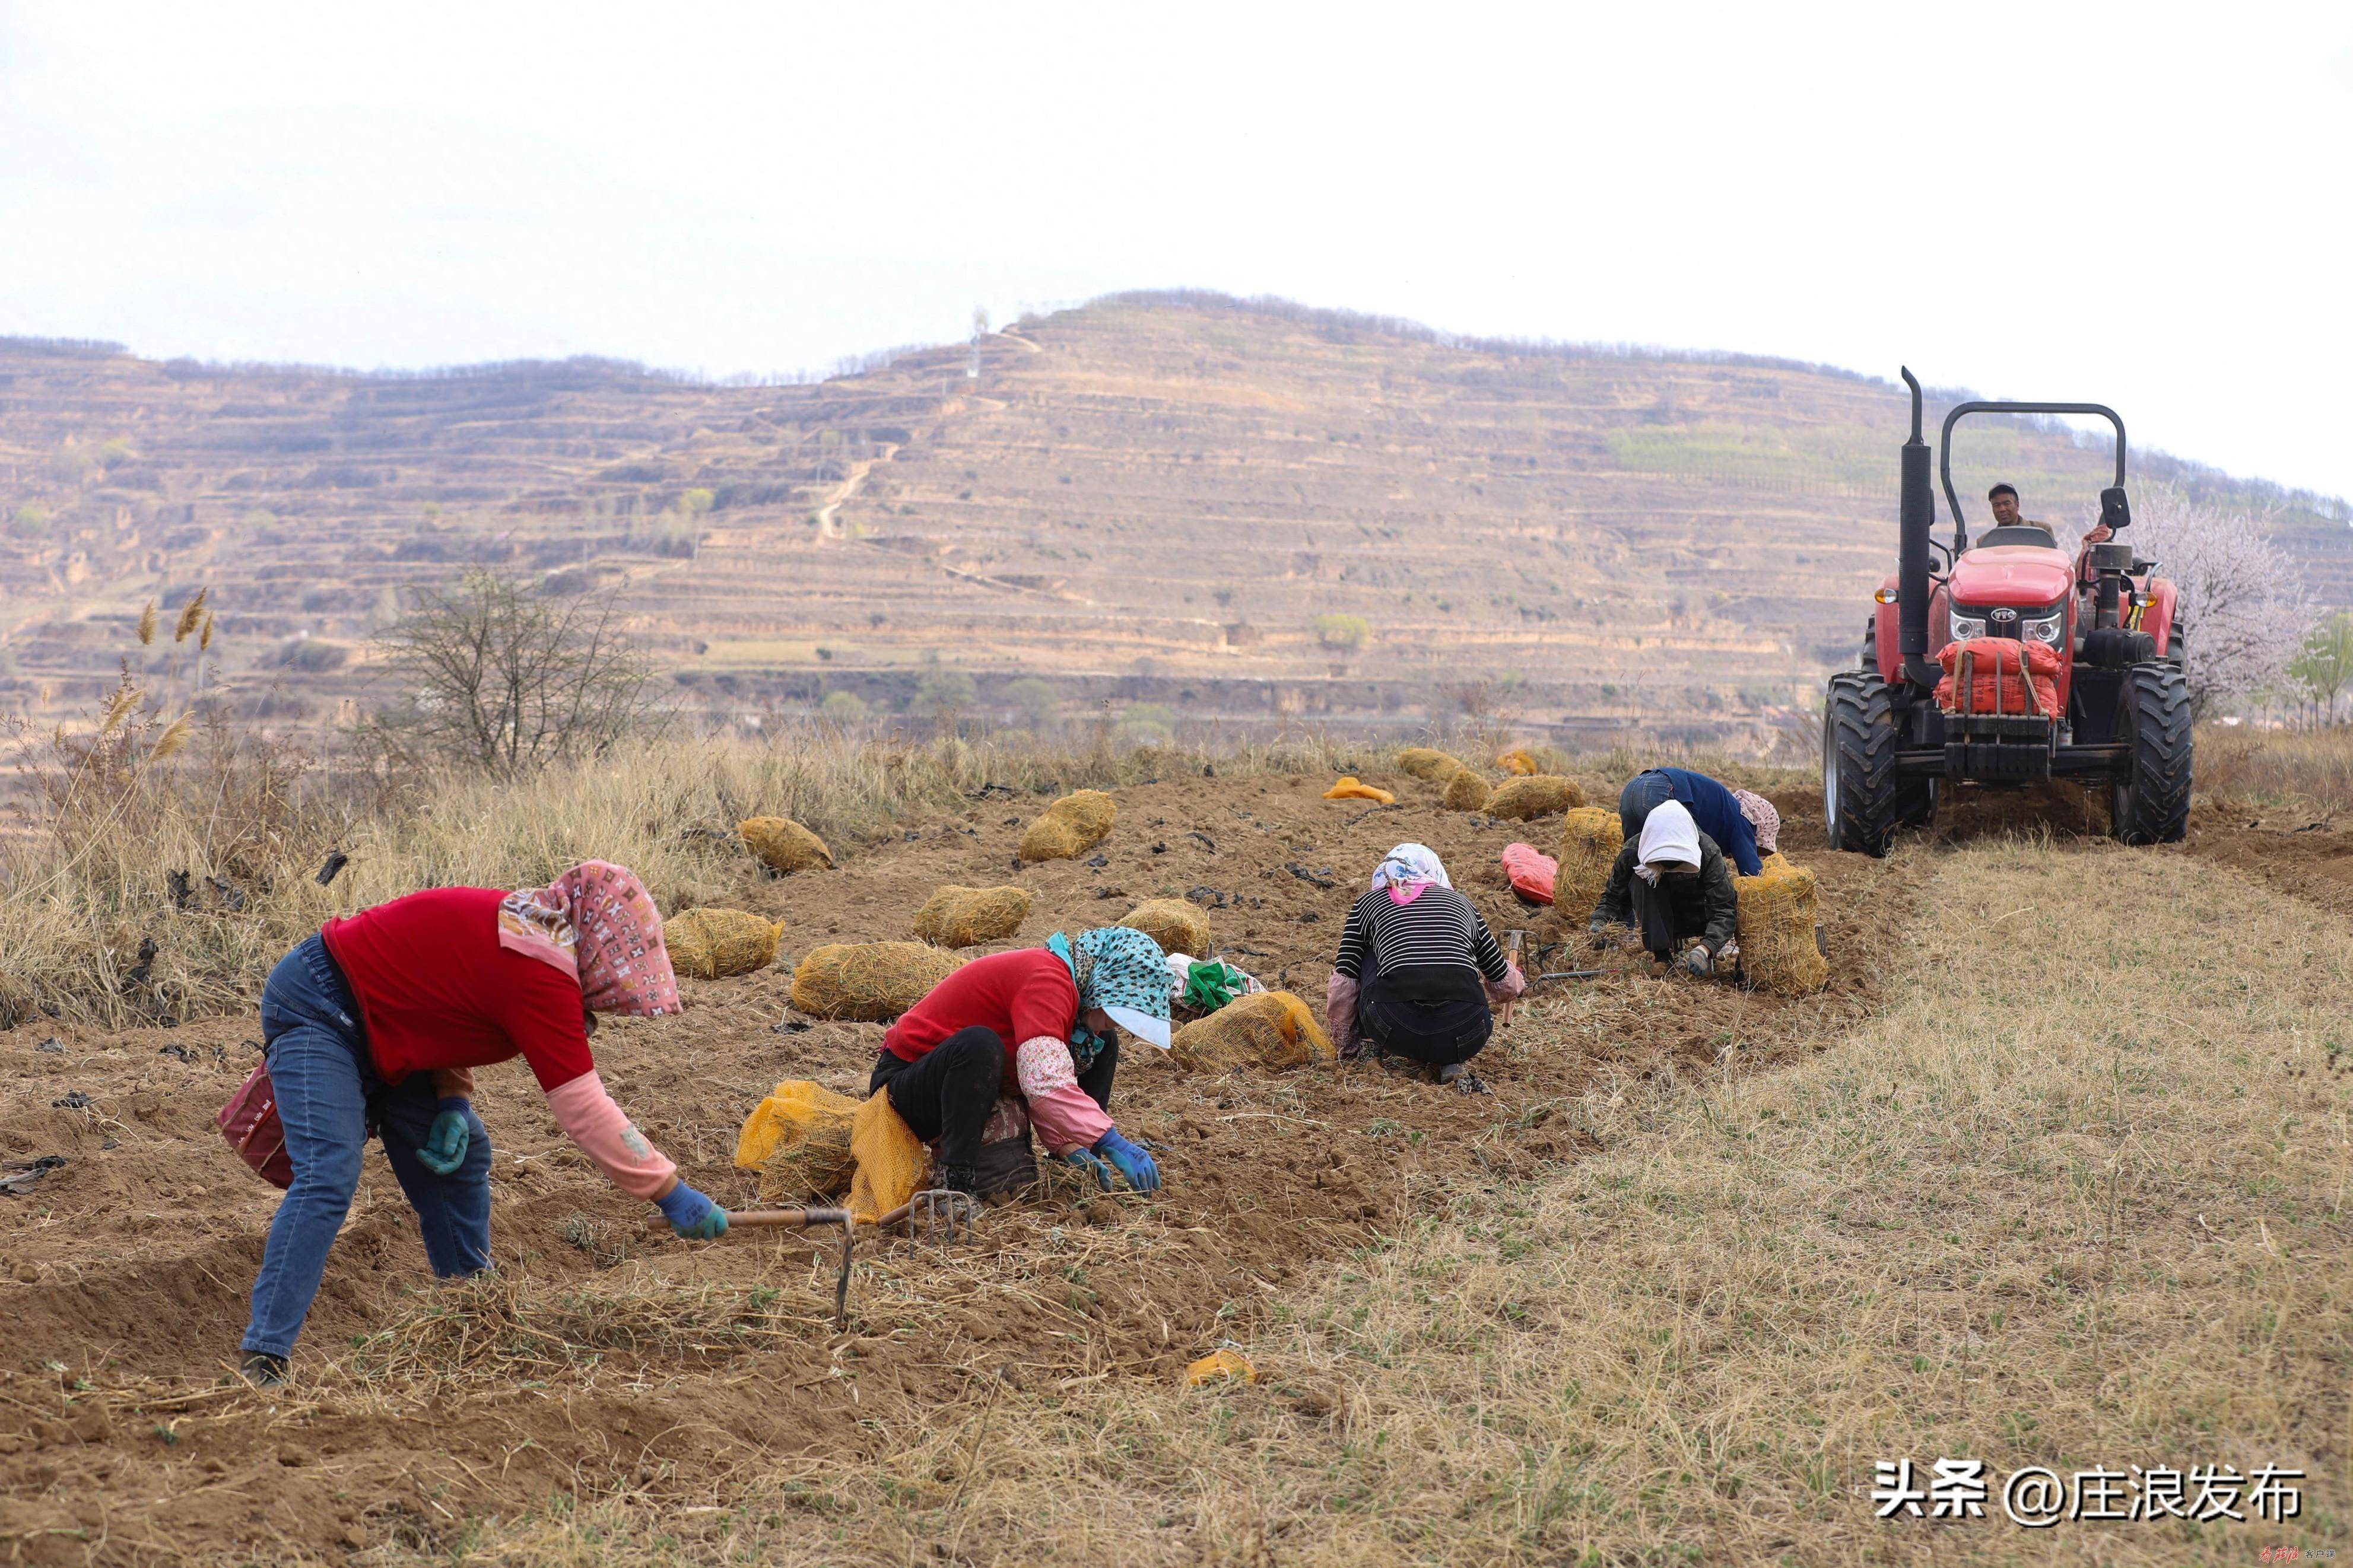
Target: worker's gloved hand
1084, 1159
691, 1215
445, 1146
1132, 1162
1699, 960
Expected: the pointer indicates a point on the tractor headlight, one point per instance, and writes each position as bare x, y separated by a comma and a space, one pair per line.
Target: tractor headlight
2047, 630
1964, 628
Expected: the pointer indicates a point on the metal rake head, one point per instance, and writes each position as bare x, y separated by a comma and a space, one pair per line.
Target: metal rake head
943, 1216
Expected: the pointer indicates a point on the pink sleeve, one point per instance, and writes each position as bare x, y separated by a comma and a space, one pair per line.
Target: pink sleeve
1340, 1009
590, 1119
1065, 1115
1511, 986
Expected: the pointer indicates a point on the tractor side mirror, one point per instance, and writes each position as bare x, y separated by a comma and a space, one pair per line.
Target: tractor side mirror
2115, 513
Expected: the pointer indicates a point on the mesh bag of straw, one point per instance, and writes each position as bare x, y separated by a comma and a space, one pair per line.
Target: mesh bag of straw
956, 916
868, 982
1178, 925
1272, 1030
798, 1139
1426, 762
890, 1158
1590, 837
1535, 794
1517, 761
1777, 910
711, 944
1466, 791
1070, 826
784, 845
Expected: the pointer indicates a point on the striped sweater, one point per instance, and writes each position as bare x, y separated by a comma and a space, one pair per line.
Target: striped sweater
1433, 948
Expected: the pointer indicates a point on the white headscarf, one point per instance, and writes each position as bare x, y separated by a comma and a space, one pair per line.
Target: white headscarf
1668, 835
1406, 864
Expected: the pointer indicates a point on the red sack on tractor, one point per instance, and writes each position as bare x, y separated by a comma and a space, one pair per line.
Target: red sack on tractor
1532, 874
249, 1121
2002, 675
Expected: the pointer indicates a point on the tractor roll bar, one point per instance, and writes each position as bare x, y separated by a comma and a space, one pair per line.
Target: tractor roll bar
1945, 447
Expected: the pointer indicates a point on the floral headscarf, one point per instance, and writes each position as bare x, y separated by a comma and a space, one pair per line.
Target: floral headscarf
1762, 818
1112, 967
597, 924
1406, 869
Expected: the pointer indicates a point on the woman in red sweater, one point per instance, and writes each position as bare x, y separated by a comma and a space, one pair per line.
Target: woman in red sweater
375, 1026
1038, 1022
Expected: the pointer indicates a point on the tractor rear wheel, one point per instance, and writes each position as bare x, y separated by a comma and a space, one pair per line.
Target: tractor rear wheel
2150, 801
1863, 797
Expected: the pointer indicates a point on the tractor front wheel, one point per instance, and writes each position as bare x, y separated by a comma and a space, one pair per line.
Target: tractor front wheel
1862, 794
2150, 801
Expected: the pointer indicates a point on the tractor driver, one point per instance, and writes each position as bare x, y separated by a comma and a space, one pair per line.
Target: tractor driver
2003, 498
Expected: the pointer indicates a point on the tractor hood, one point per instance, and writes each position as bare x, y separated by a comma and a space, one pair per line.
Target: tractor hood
2020, 574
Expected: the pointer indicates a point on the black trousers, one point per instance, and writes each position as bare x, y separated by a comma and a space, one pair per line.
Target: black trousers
1440, 1033
1654, 912
945, 1096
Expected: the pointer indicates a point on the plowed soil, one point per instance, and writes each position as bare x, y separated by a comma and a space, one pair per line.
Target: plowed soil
604, 1355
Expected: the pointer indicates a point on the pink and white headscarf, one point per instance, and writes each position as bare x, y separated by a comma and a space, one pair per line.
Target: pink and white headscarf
597, 924
1406, 869
1762, 818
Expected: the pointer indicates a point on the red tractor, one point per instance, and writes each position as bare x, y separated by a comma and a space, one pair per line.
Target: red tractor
2117, 710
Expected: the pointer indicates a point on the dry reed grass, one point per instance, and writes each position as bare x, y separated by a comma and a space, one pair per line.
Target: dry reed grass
2063, 1203
2311, 768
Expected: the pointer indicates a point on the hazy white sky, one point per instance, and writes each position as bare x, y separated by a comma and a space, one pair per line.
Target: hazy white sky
2144, 205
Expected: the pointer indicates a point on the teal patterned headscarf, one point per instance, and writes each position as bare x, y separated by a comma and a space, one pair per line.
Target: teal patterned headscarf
1112, 966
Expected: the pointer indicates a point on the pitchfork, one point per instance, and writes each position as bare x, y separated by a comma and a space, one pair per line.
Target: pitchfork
807, 1219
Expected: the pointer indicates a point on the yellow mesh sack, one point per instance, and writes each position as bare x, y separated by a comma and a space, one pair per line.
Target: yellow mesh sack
798, 1139
890, 1159
1177, 924
1590, 837
1070, 826
1536, 795
784, 845
1517, 761
1426, 762
1272, 1030
1351, 787
958, 916
1466, 791
1778, 906
711, 944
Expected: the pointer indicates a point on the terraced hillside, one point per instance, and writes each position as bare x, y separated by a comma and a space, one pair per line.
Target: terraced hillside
1150, 502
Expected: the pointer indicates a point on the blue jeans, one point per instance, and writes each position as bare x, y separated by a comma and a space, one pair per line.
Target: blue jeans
330, 1098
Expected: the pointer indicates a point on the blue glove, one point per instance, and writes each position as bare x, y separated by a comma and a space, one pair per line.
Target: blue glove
1699, 960
1133, 1163
691, 1215
445, 1145
1085, 1161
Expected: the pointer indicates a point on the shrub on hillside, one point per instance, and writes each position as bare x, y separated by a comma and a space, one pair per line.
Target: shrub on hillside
1342, 633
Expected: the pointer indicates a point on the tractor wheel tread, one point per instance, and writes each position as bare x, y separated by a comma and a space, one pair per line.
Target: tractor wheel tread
1859, 740
2152, 799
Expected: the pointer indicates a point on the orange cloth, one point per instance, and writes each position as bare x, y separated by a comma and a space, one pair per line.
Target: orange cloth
1351, 787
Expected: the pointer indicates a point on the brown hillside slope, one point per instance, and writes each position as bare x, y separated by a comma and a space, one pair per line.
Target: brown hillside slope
1150, 499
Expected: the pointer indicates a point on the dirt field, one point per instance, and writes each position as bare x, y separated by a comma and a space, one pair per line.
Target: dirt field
606, 1356
606, 1359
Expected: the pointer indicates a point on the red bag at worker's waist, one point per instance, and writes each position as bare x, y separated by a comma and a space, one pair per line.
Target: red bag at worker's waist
1532, 873
250, 1123
1997, 672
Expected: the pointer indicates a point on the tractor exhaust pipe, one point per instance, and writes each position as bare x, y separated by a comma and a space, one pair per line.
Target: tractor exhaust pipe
1915, 522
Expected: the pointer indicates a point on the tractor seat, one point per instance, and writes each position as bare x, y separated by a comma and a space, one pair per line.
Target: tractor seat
2032, 533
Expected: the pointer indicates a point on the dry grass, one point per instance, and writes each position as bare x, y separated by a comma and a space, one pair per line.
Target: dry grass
2066, 1202
2308, 768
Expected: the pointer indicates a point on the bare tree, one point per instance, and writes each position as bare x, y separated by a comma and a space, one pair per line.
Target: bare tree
506, 679
2244, 609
